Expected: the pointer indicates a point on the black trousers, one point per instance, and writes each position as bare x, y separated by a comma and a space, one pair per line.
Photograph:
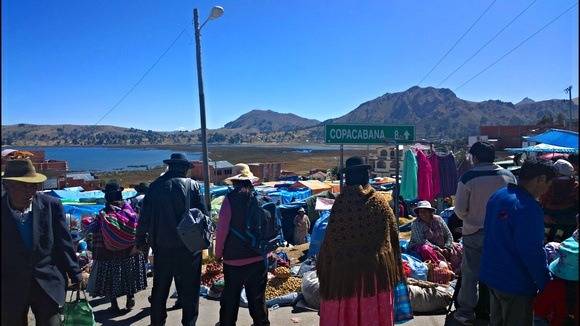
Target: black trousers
46, 312
253, 277
184, 265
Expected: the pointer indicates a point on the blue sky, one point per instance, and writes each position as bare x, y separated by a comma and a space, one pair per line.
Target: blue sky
71, 62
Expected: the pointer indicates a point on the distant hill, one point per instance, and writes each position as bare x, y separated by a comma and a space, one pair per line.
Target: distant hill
268, 121
440, 114
436, 113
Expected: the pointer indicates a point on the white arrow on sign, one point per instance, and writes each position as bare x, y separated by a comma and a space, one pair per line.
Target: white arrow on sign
407, 134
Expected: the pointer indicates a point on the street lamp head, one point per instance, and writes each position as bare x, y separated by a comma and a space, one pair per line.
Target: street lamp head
216, 12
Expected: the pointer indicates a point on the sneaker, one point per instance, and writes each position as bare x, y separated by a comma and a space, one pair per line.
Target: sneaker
463, 320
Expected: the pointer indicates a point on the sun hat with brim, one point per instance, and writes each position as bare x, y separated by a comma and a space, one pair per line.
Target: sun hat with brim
23, 171
423, 204
178, 158
355, 163
565, 167
242, 172
566, 266
302, 210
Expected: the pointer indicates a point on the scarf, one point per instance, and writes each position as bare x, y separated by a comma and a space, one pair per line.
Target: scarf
360, 254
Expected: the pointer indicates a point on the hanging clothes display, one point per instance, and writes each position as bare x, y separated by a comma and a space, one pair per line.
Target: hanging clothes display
424, 177
435, 175
409, 179
448, 175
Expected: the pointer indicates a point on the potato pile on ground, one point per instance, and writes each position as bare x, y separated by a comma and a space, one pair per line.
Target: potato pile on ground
213, 272
282, 283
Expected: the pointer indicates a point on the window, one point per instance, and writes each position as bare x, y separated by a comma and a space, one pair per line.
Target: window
381, 165
384, 152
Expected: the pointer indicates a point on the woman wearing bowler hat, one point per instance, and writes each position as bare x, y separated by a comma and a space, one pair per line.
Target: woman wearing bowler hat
120, 271
359, 262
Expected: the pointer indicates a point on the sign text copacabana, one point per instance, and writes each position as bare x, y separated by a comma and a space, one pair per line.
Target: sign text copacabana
367, 134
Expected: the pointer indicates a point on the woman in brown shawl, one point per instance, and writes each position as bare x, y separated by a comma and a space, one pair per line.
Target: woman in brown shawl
359, 262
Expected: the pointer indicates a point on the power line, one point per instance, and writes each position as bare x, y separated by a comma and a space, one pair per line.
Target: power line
496, 35
512, 50
430, 71
144, 75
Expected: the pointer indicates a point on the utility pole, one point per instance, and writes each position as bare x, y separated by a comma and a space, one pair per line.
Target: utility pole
569, 91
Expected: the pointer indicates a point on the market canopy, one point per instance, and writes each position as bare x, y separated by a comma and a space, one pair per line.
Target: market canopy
543, 148
556, 137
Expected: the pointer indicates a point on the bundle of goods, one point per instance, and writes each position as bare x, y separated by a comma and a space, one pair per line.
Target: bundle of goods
282, 283
428, 297
215, 291
213, 272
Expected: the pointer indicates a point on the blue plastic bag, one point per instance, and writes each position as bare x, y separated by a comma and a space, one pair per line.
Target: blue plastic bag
418, 268
318, 233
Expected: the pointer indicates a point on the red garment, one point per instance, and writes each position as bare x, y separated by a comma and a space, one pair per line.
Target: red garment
424, 178
433, 158
562, 194
551, 303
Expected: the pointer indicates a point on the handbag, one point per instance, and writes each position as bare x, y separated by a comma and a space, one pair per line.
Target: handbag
439, 274
195, 228
78, 312
402, 310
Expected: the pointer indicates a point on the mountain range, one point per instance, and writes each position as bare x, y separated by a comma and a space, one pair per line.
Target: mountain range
436, 113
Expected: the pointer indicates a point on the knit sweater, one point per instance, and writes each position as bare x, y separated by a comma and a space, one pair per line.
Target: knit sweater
474, 189
513, 259
360, 254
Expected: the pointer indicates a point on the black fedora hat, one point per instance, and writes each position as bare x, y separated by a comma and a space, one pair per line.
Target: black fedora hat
142, 187
113, 191
355, 163
178, 158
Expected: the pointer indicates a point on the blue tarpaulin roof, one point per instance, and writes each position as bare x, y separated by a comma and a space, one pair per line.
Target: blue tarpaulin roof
558, 137
543, 148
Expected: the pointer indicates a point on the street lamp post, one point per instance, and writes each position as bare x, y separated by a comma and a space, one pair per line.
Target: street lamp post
569, 91
216, 12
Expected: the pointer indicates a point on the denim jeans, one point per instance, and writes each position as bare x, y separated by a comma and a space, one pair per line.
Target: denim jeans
468, 293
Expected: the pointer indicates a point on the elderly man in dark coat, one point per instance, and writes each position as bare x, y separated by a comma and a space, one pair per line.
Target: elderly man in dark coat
37, 249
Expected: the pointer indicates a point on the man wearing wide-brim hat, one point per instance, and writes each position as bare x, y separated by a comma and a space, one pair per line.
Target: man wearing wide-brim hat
160, 213
37, 249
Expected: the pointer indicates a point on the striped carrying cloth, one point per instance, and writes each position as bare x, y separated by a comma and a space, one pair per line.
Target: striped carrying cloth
118, 227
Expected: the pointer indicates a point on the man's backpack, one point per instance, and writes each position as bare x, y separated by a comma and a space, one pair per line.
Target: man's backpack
263, 233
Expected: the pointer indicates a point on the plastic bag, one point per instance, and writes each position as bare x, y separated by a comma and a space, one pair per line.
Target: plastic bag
310, 288
318, 233
418, 269
78, 312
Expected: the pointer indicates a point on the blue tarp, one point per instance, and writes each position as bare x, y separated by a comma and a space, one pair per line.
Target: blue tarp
84, 196
556, 137
296, 194
543, 148
77, 211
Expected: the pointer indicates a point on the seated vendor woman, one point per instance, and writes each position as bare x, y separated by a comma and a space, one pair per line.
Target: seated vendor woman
432, 239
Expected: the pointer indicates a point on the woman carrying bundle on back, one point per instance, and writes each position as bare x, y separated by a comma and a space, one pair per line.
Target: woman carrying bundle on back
119, 271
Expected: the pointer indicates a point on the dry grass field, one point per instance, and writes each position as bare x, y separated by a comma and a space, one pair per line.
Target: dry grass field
292, 159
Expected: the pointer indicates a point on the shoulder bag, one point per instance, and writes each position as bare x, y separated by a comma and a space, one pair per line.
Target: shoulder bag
195, 228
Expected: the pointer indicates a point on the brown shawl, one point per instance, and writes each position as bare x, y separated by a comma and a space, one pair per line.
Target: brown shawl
360, 244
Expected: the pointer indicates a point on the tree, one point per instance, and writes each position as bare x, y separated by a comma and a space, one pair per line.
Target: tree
547, 119
560, 119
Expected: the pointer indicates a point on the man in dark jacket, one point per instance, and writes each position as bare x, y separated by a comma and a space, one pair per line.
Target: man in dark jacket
37, 249
160, 214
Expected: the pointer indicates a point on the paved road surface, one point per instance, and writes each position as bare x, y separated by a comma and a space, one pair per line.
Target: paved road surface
209, 310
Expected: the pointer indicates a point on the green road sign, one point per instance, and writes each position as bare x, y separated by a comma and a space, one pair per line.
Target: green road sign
367, 134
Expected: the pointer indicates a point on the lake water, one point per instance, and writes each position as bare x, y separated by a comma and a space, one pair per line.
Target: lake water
109, 158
